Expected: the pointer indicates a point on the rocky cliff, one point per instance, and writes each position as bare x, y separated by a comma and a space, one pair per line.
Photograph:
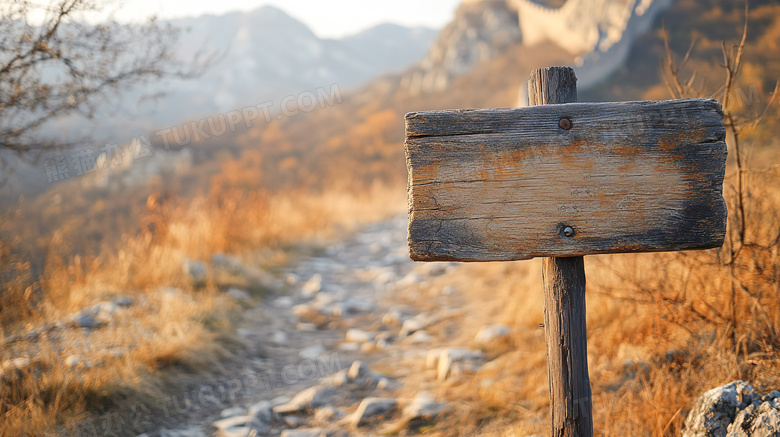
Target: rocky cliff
596, 33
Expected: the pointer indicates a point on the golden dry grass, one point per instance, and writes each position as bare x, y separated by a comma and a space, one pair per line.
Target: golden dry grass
175, 325
659, 332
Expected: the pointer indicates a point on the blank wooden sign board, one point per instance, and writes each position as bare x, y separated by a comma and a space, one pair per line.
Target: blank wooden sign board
562, 180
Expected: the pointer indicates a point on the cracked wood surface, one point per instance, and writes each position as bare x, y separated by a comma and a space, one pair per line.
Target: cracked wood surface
503, 184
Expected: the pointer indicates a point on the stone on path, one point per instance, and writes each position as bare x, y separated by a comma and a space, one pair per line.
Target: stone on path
312, 352
359, 336
283, 302
424, 406
449, 357
239, 294
329, 414
358, 370
419, 337
312, 286
309, 399
261, 411
372, 407
232, 412
392, 317
304, 311
410, 326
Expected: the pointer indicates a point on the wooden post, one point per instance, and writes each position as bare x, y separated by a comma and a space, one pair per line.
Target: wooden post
562, 180
571, 409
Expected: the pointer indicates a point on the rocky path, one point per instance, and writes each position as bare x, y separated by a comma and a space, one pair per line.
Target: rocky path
334, 346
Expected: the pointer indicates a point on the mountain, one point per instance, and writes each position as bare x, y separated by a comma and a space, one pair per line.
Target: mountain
595, 35
262, 56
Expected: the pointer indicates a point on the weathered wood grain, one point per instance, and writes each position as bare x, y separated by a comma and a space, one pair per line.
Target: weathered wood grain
503, 184
571, 402
565, 327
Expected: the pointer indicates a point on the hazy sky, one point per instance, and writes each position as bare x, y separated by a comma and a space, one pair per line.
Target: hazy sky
327, 18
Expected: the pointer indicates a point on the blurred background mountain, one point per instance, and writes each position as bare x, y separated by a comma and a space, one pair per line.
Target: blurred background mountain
480, 59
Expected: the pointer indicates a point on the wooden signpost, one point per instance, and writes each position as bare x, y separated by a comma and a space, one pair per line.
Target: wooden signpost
561, 180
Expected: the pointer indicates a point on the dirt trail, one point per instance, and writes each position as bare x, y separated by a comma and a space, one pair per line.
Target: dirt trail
345, 325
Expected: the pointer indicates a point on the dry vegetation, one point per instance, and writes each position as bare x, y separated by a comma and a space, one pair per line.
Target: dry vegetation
177, 327
662, 327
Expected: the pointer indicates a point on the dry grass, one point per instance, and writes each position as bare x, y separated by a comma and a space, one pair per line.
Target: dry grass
659, 332
176, 327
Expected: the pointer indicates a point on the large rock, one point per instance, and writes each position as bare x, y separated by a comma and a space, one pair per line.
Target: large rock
477, 34
761, 421
734, 410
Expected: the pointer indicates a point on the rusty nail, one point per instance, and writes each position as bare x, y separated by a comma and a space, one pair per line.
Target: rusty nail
568, 231
565, 124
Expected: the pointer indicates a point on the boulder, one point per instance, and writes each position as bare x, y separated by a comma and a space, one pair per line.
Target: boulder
734, 409
757, 421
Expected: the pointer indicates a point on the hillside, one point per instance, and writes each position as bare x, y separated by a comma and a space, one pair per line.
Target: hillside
271, 211
364, 132
258, 57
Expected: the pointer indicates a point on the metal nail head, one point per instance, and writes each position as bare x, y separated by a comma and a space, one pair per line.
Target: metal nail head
568, 231
564, 124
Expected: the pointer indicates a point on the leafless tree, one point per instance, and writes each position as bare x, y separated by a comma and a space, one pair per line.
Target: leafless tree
53, 63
